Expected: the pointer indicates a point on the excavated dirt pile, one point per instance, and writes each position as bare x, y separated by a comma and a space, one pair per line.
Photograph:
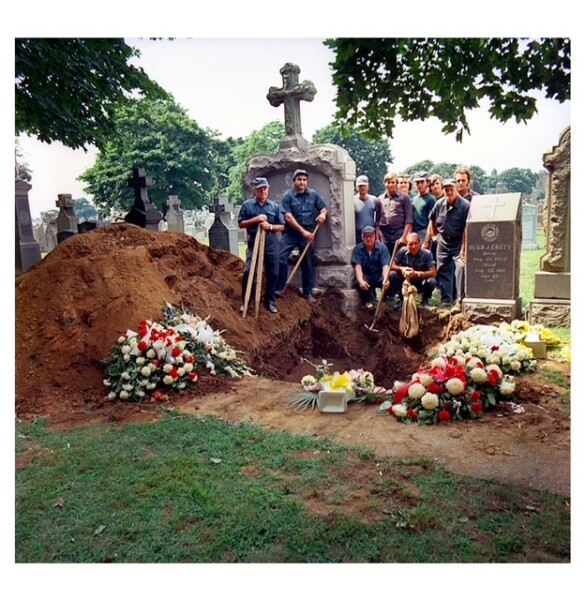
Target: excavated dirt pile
72, 306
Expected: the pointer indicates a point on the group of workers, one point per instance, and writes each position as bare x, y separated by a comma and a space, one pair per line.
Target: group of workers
418, 238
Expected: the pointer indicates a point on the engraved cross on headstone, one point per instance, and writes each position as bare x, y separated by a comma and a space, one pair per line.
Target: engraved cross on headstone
144, 212
495, 202
291, 93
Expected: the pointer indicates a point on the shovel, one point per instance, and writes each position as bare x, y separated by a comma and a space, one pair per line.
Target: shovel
383, 293
252, 271
296, 267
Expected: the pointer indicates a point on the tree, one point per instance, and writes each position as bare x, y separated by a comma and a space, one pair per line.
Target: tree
85, 210
158, 135
23, 167
67, 89
381, 79
518, 180
266, 139
371, 157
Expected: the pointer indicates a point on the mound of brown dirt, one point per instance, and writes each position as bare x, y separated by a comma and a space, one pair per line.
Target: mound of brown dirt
73, 305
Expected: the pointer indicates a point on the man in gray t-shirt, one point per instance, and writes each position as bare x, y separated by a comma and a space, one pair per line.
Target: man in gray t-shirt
368, 208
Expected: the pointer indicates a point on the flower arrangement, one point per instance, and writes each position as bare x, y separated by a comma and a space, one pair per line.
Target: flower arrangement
166, 355
357, 381
470, 373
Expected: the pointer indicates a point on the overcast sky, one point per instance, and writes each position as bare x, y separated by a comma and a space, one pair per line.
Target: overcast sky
223, 82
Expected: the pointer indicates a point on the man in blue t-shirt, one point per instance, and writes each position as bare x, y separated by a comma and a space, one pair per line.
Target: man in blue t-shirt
371, 261
415, 264
302, 208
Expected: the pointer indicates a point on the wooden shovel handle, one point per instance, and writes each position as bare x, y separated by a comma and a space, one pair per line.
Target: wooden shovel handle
306, 249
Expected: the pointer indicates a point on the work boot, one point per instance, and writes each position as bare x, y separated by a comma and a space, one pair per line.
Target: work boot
271, 307
310, 298
457, 307
281, 294
242, 309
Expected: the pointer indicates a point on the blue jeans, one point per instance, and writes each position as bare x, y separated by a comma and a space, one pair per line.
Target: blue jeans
446, 270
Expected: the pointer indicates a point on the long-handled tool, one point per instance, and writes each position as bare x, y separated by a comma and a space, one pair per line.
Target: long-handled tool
296, 267
383, 292
251, 272
259, 270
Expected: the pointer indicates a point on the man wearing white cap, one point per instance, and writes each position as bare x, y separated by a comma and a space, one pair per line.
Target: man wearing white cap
368, 209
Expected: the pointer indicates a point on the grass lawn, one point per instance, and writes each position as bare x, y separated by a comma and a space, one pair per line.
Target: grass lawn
198, 490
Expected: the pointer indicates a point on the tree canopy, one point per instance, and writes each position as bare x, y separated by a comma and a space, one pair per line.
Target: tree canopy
177, 154
265, 139
381, 79
66, 89
370, 156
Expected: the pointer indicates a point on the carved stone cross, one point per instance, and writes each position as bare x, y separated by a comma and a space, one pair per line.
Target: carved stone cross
144, 213
290, 94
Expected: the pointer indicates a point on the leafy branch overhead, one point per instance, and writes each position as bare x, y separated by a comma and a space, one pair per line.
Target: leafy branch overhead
381, 79
66, 89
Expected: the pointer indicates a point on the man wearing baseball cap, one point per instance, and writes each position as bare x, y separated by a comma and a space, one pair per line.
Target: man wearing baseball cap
368, 209
262, 213
371, 261
448, 220
302, 208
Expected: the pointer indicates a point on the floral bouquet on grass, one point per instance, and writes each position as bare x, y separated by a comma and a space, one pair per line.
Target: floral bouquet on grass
452, 389
357, 381
165, 356
470, 374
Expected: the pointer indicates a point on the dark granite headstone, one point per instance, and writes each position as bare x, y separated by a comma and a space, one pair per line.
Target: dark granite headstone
494, 243
223, 235
28, 251
144, 213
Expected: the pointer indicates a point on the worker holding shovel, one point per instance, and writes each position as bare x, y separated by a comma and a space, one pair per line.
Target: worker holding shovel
256, 215
304, 211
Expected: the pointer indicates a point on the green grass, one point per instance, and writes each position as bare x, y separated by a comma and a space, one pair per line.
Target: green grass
529, 265
185, 489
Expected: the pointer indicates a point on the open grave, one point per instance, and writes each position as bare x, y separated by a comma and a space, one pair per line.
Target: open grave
72, 307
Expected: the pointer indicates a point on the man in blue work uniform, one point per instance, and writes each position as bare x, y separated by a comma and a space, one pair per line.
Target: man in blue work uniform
302, 208
448, 219
262, 213
371, 261
415, 264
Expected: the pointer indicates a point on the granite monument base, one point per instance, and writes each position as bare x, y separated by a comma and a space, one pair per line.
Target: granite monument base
552, 285
487, 311
550, 312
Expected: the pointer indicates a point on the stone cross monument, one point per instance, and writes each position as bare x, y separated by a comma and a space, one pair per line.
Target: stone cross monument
290, 94
175, 217
27, 249
144, 213
331, 173
552, 290
67, 220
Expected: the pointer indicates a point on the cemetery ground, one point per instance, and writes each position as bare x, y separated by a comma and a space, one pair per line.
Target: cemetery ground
225, 471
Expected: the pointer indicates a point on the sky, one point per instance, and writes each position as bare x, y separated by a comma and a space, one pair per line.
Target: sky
223, 82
